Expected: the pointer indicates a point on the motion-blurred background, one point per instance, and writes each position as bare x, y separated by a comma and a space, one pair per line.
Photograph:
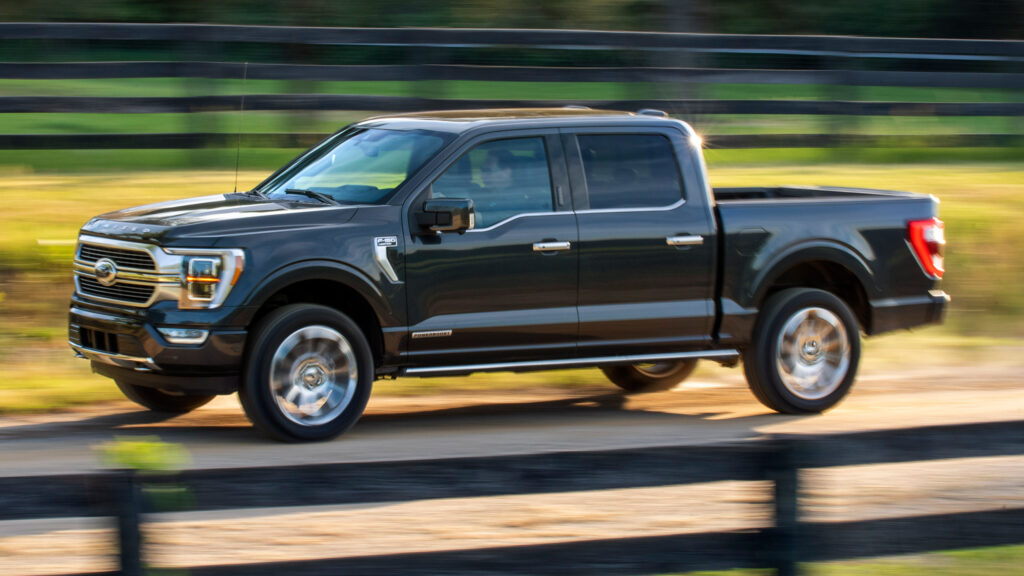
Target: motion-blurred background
104, 105
95, 117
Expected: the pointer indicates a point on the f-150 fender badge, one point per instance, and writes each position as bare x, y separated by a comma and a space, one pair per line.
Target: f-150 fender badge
380, 254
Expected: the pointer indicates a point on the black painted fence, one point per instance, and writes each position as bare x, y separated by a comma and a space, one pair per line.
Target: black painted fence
789, 541
836, 64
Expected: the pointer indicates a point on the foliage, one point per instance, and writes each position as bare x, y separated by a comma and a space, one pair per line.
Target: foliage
925, 18
144, 453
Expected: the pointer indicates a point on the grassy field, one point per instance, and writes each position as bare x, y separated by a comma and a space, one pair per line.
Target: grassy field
1001, 560
981, 203
136, 87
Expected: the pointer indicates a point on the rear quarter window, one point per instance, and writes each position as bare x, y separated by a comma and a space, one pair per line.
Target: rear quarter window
630, 170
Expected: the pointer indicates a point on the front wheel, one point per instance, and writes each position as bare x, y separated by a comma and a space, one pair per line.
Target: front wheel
161, 401
308, 373
651, 376
804, 353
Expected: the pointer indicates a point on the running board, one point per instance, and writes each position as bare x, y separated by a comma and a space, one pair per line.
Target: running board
725, 356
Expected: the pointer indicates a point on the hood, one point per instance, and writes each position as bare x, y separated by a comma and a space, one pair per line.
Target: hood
211, 216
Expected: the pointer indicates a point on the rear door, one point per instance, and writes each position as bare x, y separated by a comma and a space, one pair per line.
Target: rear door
505, 290
647, 244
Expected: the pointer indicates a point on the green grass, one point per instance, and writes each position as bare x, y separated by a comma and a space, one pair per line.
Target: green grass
141, 87
329, 121
1001, 560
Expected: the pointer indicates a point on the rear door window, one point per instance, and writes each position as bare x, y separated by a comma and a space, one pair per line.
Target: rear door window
630, 171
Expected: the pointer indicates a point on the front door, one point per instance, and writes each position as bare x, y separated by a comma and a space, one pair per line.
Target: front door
505, 290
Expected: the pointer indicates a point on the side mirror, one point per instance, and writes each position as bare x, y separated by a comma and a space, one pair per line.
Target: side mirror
447, 215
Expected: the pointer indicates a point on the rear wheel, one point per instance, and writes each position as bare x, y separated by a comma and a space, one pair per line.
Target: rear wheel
804, 354
650, 376
308, 374
162, 401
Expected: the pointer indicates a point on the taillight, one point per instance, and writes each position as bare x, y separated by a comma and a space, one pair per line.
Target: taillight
928, 239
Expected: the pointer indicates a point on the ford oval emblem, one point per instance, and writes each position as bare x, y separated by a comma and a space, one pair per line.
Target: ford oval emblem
106, 271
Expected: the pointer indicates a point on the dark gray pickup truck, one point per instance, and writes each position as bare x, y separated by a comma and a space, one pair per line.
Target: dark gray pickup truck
448, 243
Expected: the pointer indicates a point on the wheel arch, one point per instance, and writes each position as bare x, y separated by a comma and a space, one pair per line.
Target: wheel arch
830, 267
328, 284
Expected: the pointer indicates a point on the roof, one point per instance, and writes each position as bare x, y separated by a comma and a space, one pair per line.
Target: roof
463, 120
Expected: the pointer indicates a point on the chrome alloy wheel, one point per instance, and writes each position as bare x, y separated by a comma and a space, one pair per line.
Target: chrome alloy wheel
656, 369
813, 353
313, 375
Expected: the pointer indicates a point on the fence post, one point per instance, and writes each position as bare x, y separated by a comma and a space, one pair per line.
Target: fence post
128, 504
783, 471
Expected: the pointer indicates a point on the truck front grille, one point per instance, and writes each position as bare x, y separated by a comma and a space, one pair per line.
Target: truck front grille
137, 259
131, 293
125, 273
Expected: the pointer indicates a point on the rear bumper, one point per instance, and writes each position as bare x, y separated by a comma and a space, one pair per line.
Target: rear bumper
901, 313
127, 347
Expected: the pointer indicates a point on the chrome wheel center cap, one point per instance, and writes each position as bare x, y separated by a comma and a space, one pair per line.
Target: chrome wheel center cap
312, 376
811, 350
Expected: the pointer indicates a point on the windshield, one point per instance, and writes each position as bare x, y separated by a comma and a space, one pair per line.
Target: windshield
362, 167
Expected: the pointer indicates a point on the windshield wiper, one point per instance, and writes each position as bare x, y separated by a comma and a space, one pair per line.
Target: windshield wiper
312, 194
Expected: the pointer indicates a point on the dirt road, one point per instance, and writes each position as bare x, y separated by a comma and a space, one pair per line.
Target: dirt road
714, 407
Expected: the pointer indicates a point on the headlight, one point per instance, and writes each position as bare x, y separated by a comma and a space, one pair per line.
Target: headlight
207, 276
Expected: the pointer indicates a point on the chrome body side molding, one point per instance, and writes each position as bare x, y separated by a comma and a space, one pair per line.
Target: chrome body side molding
727, 356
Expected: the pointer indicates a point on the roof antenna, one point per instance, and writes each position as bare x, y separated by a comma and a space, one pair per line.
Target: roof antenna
241, 113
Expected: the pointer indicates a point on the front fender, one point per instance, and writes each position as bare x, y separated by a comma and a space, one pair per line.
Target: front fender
324, 270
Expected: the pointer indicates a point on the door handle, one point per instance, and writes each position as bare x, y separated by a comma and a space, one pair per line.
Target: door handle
685, 240
551, 246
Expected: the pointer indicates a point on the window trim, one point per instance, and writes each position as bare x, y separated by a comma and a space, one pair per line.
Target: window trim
556, 162
577, 173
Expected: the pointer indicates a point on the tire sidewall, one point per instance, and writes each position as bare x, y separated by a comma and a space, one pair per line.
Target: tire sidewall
778, 311
256, 394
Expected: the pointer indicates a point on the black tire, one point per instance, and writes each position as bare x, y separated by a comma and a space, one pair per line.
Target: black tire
802, 360
160, 401
653, 377
299, 356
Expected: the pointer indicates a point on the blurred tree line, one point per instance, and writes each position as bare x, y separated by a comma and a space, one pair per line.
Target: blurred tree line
913, 18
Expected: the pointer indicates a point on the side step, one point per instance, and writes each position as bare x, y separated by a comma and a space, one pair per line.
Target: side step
727, 356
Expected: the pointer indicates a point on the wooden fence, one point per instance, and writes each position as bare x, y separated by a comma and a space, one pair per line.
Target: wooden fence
836, 66
784, 544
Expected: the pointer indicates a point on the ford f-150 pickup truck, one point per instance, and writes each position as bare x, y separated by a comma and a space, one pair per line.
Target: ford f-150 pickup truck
443, 243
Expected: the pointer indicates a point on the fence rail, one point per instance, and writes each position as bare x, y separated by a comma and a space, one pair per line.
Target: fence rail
782, 545
995, 50
838, 66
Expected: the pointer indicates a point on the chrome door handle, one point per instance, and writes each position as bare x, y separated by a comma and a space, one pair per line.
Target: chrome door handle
551, 246
689, 240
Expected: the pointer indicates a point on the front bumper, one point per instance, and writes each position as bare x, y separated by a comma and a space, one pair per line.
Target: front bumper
127, 347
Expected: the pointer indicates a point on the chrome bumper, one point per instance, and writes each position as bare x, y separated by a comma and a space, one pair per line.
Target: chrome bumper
120, 360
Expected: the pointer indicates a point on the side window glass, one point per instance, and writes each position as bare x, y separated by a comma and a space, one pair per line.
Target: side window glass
630, 170
504, 178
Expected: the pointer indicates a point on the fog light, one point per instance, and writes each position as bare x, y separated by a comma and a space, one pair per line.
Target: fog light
184, 335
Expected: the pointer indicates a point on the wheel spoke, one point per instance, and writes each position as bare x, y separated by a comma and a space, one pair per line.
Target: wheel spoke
812, 355
313, 375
